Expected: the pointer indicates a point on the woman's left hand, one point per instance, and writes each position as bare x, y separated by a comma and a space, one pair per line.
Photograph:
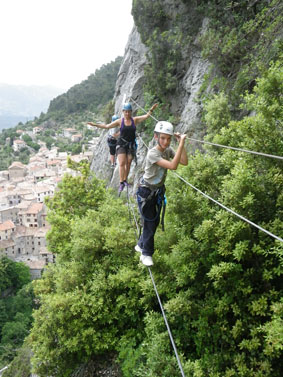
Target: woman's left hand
154, 106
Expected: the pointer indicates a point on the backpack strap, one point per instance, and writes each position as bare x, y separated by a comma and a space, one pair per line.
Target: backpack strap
122, 123
133, 123
161, 202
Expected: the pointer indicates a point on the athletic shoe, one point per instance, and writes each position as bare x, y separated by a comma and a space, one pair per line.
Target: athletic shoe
121, 188
138, 249
146, 260
126, 184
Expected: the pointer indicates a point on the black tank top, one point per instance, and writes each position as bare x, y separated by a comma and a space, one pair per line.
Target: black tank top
127, 133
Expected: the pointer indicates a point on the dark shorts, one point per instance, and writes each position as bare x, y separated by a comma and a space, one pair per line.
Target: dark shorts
125, 150
112, 150
112, 142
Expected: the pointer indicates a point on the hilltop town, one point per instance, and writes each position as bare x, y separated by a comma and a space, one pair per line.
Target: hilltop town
23, 189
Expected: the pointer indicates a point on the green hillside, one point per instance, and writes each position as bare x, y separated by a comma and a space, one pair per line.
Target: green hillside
90, 94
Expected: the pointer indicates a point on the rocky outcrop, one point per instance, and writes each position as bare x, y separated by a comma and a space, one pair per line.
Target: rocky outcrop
190, 87
131, 74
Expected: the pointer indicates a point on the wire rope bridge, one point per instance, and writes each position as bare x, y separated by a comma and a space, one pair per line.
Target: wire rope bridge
130, 206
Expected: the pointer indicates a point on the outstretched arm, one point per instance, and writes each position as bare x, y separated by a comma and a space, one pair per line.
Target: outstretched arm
141, 118
180, 156
116, 123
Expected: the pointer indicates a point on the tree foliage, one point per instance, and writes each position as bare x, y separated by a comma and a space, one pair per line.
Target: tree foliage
218, 277
16, 302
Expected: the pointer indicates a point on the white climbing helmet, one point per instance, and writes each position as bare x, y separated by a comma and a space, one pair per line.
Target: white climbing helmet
164, 128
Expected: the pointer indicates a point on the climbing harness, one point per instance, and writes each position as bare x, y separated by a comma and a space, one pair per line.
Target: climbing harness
157, 196
111, 141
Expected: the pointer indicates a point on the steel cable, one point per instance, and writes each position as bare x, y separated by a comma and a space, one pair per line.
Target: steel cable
158, 297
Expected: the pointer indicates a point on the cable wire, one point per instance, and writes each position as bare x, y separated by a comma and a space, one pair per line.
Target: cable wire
158, 298
218, 145
167, 325
131, 209
143, 109
229, 210
237, 149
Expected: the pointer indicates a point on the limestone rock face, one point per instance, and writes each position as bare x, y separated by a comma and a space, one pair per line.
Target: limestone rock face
131, 74
191, 84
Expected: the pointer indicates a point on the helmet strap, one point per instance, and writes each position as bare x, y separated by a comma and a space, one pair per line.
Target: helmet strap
158, 139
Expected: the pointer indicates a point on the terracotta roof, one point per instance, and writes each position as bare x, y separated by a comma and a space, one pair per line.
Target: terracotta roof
44, 250
36, 158
7, 225
23, 205
6, 243
35, 265
17, 164
23, 231
42, 188
36, 167
54, 162
34, 208
41, 232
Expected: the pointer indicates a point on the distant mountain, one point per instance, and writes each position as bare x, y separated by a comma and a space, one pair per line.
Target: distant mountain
90, 94
22, 103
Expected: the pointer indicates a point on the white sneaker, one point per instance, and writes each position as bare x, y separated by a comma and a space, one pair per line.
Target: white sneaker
138, 249
146, 260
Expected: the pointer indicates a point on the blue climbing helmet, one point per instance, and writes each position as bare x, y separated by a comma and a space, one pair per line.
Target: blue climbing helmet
127, 106
115, 117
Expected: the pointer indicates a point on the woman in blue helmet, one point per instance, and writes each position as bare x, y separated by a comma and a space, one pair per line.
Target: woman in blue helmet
125, 148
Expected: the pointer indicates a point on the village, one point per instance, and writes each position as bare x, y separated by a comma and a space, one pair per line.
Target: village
23, 189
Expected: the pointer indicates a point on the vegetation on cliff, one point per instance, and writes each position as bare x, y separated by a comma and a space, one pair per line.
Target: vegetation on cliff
240, 40
16, 303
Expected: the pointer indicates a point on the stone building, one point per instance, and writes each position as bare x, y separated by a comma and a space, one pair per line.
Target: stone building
17, 170
6, 230
32, 216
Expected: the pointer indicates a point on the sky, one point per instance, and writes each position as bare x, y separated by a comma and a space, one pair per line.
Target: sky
60, 42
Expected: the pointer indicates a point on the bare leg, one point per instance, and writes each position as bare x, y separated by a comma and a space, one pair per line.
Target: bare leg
122, 159
129, 161
112, 159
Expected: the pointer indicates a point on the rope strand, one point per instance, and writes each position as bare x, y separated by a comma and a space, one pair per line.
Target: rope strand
218, 145
237, 149
158, 298
229, 210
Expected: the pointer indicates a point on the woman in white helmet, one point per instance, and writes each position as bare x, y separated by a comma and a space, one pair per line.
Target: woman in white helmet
151, 190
